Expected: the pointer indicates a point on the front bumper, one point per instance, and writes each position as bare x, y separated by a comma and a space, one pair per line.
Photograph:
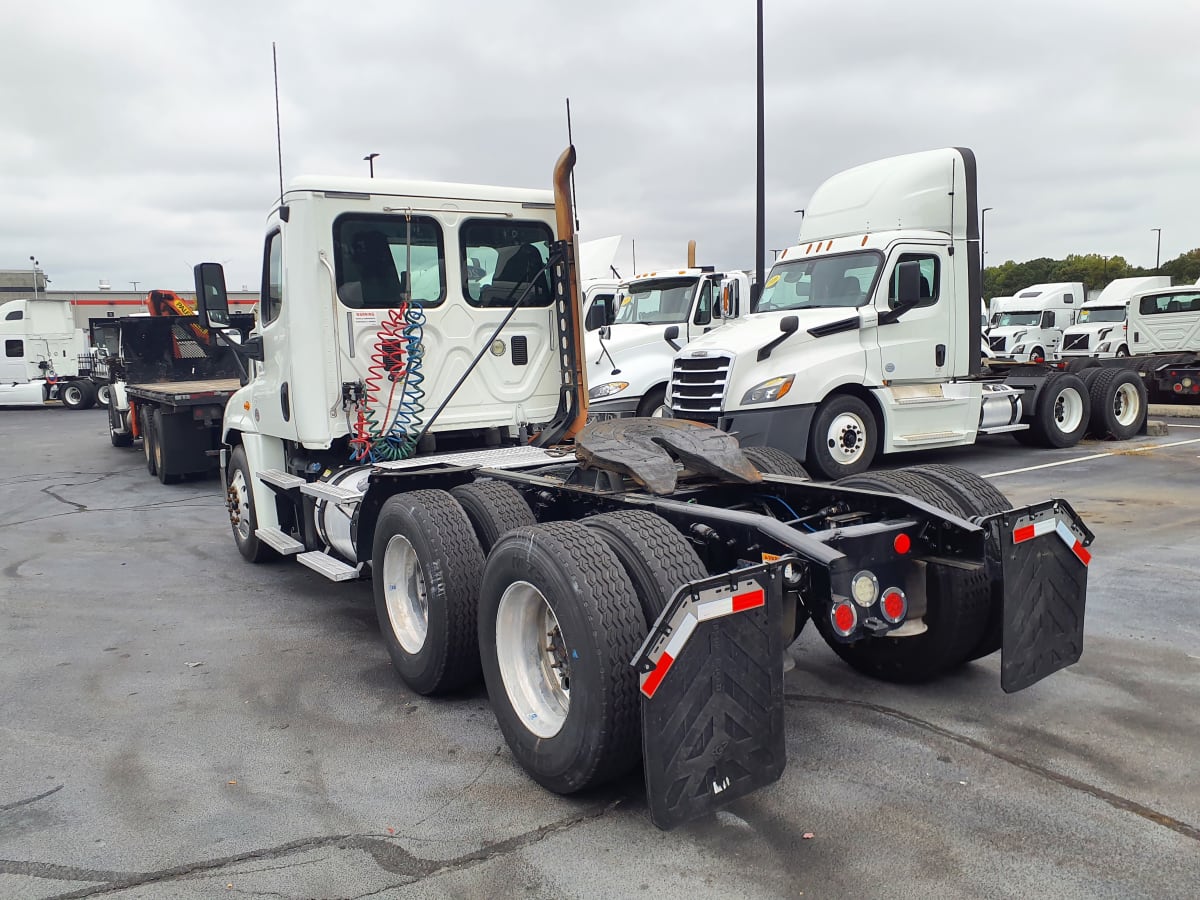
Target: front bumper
623, 408
783, 427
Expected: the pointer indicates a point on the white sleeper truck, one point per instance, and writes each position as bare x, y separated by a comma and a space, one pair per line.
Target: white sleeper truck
624, 589
1100, 328
1029, 327
45, 356
865, 340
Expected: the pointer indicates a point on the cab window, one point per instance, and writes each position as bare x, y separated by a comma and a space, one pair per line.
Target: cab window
504, 263
930, 278
704, 304
271, 297
14, 348
381, 259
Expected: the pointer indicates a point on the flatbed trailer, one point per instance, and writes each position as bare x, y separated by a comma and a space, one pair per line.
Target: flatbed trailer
169, 390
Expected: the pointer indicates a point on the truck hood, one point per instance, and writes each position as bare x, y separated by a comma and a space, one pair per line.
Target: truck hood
1092, 327
754, 331
625, 340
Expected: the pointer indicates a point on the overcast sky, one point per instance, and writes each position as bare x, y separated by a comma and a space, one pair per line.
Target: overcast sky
138, 138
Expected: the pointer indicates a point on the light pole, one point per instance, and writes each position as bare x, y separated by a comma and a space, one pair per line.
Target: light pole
135, 284
35, 287
982, 236
369, 159
1157, 249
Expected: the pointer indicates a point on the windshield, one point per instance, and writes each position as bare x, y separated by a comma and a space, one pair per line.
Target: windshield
844, 280
1102, 314
661, 302
1019, 318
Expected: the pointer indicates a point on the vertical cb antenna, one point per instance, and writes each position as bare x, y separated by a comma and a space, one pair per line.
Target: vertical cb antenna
571, 141
278, 134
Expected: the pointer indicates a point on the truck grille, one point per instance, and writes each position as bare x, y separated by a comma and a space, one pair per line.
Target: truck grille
698, 385
996, 343
1075, 342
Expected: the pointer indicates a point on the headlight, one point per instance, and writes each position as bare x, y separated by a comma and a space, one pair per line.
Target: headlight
1020, 348
1103, 348
607, 390
769, 390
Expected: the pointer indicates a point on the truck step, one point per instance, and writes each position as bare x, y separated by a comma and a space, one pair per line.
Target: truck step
333, 569
1004, 429
283, 544
280, 479
331, 492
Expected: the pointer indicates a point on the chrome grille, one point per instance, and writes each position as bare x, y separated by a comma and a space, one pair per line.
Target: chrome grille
698, 384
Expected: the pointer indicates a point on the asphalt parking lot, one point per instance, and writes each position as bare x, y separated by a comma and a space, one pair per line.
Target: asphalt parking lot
178, 723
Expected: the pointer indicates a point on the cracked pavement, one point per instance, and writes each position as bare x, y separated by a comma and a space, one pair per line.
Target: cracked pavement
178, 723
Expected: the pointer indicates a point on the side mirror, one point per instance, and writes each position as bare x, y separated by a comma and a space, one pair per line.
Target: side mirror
671, 336
789, 324
595, 316
733, 289
605, 332
908, 284
212, 301
610, 310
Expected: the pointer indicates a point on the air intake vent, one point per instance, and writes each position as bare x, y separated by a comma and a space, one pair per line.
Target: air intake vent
520, 350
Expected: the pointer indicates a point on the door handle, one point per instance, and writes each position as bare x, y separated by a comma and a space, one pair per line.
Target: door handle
285, 403
939, 355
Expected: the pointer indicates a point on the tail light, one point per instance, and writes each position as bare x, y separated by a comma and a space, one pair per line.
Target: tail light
894, 605
844, 618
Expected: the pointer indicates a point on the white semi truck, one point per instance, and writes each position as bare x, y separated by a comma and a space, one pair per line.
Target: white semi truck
626, 596
656, 313
1100, 328
865, 340
1029, 327
45, 356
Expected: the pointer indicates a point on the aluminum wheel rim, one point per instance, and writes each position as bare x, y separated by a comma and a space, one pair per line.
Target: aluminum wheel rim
103, 394
659, 411
533, 660
72, 395
405, 594
847, 438
1125, 404
239, 511
1068, 410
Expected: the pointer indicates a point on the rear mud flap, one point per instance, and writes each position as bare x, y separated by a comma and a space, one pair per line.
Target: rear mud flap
1038, 558
711, 674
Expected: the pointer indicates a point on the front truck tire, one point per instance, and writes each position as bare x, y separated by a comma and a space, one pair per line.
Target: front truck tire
1118, 401
146, 426
103, 395
162, 451
957, 602
844, 437
239, 500
559, 623
656, 557
117, 419
773, 461
426, 567
1062, 413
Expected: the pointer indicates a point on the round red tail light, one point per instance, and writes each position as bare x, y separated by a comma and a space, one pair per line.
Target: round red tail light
902, 543
844, 617
893, 605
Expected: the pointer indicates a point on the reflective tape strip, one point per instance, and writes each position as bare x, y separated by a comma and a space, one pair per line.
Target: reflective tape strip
1071, 541
650, 685
1029, 532
669, 655
726, 606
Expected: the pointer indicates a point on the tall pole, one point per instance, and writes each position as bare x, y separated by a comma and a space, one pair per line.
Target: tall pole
982, 236
370, 160
35, 286
1157, 250
760, 230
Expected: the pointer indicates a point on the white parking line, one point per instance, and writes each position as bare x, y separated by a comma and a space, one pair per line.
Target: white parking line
1079, 459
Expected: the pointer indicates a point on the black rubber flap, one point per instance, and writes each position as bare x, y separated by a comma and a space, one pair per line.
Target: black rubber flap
1044, 562
712, 729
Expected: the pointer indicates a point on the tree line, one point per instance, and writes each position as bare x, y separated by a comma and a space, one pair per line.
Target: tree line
1094, 270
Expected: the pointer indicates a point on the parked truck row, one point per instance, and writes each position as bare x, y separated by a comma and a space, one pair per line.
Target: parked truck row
624, 588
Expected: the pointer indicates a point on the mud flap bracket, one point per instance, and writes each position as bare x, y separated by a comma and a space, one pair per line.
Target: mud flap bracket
711, 678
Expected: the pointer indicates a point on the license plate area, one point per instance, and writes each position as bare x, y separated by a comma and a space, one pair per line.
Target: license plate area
711, 677
1039, 555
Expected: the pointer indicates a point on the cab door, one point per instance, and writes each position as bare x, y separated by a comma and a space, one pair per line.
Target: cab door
914, 343
700, 319
274, 393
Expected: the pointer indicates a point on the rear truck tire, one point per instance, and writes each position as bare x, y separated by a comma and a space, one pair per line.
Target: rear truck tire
844, 437
656, 557
146, 426
773, 461
77, 395
494, 508
426, 567
122, 438
1062, 414
239, 501
103, 395
957, 602
559, 623
979, 497
162, 452
653, 403
1087, 376
1118, 399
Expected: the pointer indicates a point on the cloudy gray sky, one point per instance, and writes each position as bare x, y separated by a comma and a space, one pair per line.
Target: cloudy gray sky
139, 138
